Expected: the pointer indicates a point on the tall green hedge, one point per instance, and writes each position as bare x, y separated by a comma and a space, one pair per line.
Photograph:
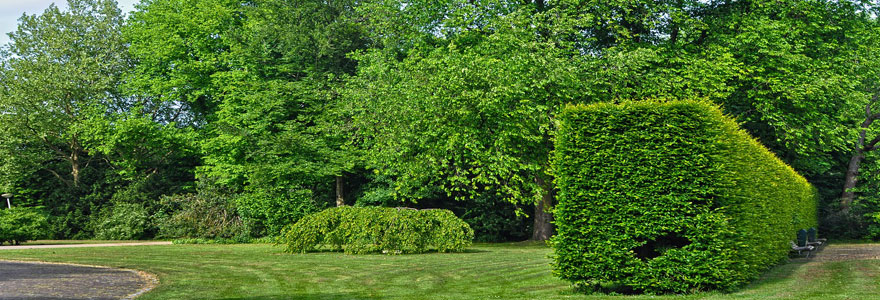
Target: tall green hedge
360, 230
660, 197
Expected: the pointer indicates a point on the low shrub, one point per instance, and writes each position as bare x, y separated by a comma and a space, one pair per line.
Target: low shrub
268, 212
206, 215
21, 224
122, 221
360, 230
494, 219
661, 197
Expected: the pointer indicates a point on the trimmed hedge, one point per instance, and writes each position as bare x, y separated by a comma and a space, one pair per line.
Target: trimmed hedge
659, 197
360, 230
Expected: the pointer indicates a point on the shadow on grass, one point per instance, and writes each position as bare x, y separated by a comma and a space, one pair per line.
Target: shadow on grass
777, 274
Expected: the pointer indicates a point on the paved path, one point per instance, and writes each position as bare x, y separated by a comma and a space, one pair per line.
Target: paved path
24, 280
82, 245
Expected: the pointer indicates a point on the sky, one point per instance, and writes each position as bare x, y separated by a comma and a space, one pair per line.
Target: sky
11, 10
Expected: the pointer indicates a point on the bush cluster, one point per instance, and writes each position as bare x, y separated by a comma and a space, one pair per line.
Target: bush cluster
360, 230
21, 224
206, 215
122, 221
267, 213
661, 197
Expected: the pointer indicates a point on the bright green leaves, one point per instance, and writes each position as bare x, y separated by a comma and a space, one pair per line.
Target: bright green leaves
21, 224
178, 47
362, 230
471, 116
670, 197
61, 69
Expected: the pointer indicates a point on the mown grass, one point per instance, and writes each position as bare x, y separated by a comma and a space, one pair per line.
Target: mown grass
486, 271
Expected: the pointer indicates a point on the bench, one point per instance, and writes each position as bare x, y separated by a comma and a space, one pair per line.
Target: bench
806, 241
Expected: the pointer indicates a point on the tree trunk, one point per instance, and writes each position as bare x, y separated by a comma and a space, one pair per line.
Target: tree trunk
74, 165
852, 170
852, 173
340, 200
543, 228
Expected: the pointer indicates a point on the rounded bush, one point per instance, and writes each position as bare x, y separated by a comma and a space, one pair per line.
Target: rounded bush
663, 197
206, 215
21, 224
360, 230
122, 221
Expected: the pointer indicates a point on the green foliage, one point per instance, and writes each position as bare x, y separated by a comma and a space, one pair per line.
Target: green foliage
493, 219
670, 197
122, 221
208, 215
178, 46
60, 69
268, 213
360, 230
20, 224
76, 141
470, 115
274, 127
203, 241
863, 219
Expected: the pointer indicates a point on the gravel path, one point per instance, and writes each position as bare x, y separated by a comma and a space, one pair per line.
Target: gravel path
21, 280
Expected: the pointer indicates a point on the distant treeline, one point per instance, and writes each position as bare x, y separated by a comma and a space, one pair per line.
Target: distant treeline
233, 119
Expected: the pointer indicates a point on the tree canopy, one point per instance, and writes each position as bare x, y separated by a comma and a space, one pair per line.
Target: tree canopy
277, 108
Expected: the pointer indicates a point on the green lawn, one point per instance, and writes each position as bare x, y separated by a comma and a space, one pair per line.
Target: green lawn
488, 271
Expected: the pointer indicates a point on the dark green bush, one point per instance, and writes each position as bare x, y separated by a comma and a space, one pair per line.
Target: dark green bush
268, 212
206, 215
122, 221
493, 219
661, 197
21, 224
359, 230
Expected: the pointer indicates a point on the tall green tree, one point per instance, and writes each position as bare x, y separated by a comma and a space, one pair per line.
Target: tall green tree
78, 140
259, 77
179, 46
468, 103
61, 69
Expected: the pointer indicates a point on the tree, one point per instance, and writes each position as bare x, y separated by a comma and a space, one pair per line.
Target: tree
472, 115
61, 69
260, 78
67, 115
464, 99
867, 138
178, 46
